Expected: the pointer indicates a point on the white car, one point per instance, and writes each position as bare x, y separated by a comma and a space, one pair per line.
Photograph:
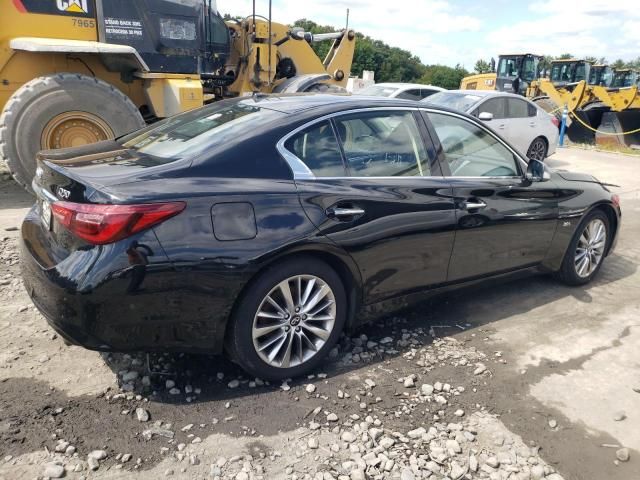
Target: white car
407, 91
521, 122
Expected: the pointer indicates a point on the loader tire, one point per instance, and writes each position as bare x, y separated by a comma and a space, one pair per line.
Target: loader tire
57, 111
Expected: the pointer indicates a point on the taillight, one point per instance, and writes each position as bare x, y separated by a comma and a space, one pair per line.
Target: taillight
615, 199
555, 121
99, 224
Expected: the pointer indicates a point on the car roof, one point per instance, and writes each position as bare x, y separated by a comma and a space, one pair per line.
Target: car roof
406, 85
299, 102
485, 93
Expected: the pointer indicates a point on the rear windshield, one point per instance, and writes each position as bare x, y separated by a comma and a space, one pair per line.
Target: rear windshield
377, 91
457, 101
191, 133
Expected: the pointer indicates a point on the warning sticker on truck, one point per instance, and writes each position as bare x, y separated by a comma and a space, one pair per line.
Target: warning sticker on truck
120, 27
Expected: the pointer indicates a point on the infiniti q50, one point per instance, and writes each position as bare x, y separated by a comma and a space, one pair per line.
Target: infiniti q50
263, 227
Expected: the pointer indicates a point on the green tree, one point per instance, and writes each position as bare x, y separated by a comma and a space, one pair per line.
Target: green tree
443, 76
564, 56
618, 64
591, 59
482, 66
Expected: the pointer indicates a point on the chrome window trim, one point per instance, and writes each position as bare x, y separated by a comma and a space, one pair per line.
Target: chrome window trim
486, 130
302, 172
300, 169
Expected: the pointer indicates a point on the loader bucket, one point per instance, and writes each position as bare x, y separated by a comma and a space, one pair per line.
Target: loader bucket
620, 122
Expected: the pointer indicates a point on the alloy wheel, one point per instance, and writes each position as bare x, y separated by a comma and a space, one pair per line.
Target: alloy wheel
590, 248
294, 321
537, 150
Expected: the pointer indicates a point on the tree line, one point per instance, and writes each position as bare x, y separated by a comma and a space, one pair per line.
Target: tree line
390, 64
483, 66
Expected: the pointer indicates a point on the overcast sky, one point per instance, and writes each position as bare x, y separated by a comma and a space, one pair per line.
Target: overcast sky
451, 32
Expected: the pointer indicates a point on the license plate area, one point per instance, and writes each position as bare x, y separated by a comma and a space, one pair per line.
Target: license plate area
45, 213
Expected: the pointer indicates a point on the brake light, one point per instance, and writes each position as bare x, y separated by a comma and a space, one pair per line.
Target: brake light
100, 224
555, 121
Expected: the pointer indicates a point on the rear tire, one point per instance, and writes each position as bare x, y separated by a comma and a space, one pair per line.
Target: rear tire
61, 110
574, 271
538, 149
255, 333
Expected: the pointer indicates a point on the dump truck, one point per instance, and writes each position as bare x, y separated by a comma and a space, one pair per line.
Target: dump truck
74, 72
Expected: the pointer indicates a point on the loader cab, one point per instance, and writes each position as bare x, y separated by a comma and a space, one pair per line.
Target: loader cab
516, 72
601, 75
625, 78
567, 72
185, 37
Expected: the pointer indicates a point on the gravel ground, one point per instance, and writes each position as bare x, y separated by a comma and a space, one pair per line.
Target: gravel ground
448, 390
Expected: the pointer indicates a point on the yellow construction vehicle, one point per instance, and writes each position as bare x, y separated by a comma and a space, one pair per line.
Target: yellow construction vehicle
79, 71
606, 108
479, 81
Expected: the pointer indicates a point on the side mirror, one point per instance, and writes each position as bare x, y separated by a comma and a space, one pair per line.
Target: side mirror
536, 171
485, 116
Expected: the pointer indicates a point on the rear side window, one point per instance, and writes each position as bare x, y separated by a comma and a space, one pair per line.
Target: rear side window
410, 95
427, 92
518, 108
382, 144
318, 148
469, 151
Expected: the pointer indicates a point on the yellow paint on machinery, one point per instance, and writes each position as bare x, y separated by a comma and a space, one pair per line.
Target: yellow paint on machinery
480, 81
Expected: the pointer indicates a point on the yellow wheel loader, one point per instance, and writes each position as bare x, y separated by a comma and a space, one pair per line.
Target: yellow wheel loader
74, 72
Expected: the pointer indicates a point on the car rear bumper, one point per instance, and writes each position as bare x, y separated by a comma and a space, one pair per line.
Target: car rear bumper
96, 299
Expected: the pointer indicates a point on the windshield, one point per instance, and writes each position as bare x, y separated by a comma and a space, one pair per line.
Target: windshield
190, 133
507, 67
529, 69
377, 91
456, 101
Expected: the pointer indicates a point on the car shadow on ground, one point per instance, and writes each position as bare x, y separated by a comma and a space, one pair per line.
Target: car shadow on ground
202, 378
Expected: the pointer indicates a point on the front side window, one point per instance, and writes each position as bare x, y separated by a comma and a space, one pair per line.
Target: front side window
470, 151
529, 69
382, 144
495, 106
318, 148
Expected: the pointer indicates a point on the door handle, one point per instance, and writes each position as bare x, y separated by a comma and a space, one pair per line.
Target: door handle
339, 212
474, 205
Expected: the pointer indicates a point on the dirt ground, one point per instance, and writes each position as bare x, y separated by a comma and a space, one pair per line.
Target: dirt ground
523, 380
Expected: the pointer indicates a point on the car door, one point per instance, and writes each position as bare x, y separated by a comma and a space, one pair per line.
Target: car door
496, 106
384, 200
505, 222
522, 124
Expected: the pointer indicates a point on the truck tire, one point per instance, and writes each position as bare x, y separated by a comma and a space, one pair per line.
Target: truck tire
57, 111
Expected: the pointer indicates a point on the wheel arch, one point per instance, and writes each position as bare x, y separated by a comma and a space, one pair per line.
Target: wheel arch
610, 212
331, 255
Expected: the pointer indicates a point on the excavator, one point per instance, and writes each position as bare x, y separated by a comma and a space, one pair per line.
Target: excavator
604, 104
74, 72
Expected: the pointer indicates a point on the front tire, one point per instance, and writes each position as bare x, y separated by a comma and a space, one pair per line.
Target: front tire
58, 111
288, 319
585, 254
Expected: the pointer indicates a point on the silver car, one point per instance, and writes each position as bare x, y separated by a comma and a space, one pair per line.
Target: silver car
407, 91
521, 122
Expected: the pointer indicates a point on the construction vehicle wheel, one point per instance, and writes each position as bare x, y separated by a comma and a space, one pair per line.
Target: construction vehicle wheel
59, 111
325, 88
549, 106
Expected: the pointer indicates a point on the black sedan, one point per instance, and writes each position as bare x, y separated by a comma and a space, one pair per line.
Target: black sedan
265, 226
